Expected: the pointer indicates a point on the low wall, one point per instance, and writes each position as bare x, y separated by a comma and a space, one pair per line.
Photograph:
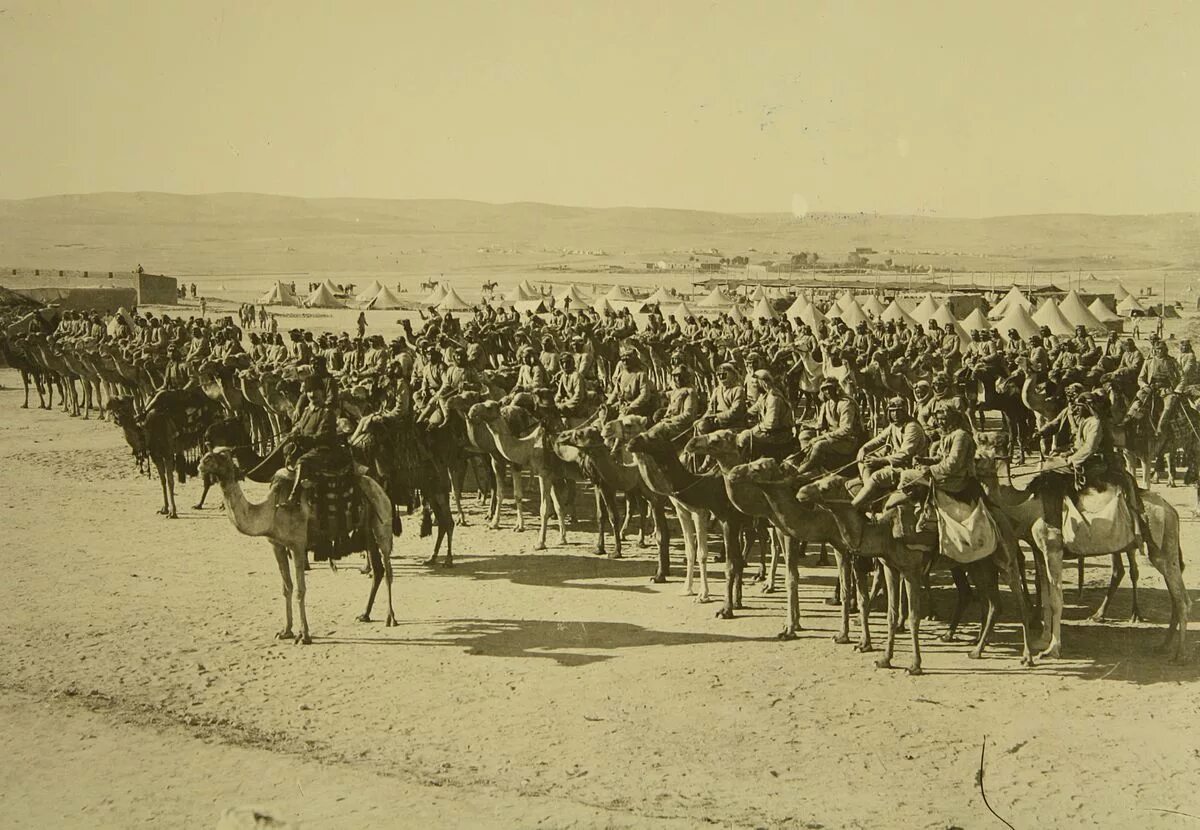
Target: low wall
149, 288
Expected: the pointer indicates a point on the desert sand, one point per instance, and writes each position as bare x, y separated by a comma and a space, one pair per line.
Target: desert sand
142, 685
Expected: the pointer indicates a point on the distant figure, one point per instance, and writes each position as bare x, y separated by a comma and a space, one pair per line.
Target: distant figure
274, 325
140, 269
362, 324
203, 306
193, 291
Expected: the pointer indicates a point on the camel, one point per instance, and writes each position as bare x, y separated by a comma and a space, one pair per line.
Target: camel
481, 438
697, 497
15, 356
909, 559
155, 438
720, 445
1024, 509
609, 475
531, 451
286, 527
1146, 444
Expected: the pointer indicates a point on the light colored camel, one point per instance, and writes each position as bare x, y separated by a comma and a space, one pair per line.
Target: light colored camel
285, 526
482, 438
1026, 514
530, 451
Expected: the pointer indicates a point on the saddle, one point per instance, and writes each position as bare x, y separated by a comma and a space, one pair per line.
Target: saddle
337, 508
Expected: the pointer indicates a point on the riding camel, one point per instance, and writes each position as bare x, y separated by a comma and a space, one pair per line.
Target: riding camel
481, 437
285, 526
155, 438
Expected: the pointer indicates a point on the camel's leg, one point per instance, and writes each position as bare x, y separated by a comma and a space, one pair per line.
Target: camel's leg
299, 564
556, 499
843, 571
664, 540
1114, 582
612, 507
544, 508
160, 466
731, 533
792, 563
984, 575
281, 558
208, 482
914, 590
519, 498
458, 475
687, 525
1052, 598
776, 537
602, 513
170, 475
860, 569
497, 494
961, 598
891, 577
1135, 614
701, 519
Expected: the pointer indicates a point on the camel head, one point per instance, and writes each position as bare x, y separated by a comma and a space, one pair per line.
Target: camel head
719, 442
583, 438
650, 445
219, 463
830, 488
624, 429
759, 471
122, 410
486, 411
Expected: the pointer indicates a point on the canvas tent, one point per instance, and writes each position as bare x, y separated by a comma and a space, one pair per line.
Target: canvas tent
602, 306
895, 313
812, 317
1102, 312
1014, 295
1120, 292
572, 293
322, 297
852, 314
1130, 307
872, 306
530, 306
943, 318
759, 294
385, 298
516, 294
1077, 314
736, 315
924, 310
1049, 315
453, 302
368, 293
715, 299
797, 307
436, 296
618, 293
764, 310
661, 296
281, 294
682, 312
1019, 319
975, 321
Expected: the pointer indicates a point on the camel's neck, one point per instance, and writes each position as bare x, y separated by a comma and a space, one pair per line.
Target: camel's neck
517, 450
249, 518
656, 478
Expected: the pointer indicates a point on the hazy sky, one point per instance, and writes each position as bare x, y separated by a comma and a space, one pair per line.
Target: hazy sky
955, 108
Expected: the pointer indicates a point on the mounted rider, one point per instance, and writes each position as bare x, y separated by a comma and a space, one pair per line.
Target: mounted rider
838, 432
771, 434
889, 459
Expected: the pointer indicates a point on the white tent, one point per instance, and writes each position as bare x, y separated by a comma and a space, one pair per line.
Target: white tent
602, 306
1048, 315
1077, 314
843, 302
281, 294
662, 296
1120, 292
682, 312
1102, 312
797, 307
812, 317
530, 306
368, 293
852, 314
872, 306
736, 315
516, 294
618, 293
453, 302
763, 309
758, 295
895, 313
1018, 318
975, 321
572, 293
436, 296
530, 288
944, 317
1130, 307
386, 298
925, 310
1014, 295
715, 299
322, 297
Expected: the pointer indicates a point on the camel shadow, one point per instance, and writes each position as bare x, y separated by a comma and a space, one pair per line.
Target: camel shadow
545, 570
567, 642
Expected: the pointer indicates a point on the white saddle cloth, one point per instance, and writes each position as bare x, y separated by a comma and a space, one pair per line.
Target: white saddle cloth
966, 532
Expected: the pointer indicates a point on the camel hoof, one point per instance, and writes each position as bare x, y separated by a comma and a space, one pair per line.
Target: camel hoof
363, 618
768, 589
600, 552
786, 634
866, 648
703, 598
303, 640
759, 577
975, 653
197, 506
286, 634
391, 622
841, 639
947, 637
724, 614
883, 663
1097, 617
719, 558
1136, 618
447, 564
430, 562
1050, 654
914, 670
832, 601
687, 592
657, 579
172, 515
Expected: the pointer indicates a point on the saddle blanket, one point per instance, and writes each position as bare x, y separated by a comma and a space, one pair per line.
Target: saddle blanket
966, 530
1101, 523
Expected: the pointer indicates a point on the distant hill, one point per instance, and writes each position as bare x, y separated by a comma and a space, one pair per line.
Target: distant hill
253, 233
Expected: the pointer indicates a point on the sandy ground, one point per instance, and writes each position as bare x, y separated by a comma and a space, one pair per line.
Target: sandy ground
140, 684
